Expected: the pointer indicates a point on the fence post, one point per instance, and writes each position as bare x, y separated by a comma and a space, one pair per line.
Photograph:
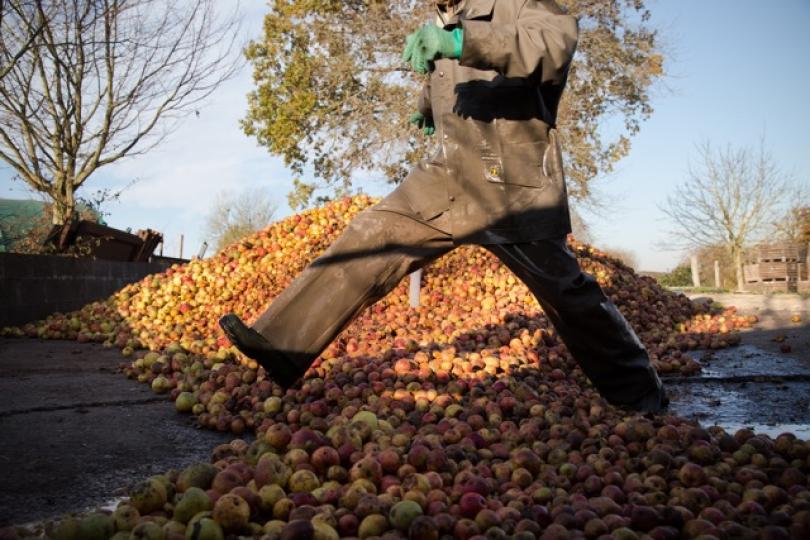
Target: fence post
181, 246
415, 287
716, 274
695, 271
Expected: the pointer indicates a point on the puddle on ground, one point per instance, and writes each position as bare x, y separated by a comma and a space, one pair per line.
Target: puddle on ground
747, 402
802, 431
767, 405
748, 360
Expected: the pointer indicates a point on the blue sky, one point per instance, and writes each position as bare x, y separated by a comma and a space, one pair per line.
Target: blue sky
737, 69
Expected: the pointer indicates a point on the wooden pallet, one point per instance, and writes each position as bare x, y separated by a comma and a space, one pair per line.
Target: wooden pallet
770, 287
778, 271
781, 252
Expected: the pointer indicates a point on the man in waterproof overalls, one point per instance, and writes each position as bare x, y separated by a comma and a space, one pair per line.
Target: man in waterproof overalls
497, 69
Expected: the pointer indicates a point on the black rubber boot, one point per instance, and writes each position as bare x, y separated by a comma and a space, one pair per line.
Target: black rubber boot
654, 402
596, 333
254, 346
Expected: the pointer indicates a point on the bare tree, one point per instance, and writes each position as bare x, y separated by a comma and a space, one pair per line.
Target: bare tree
21, 22
102, 80
794, 224
803, 223
579, 227
627, 256
727, 200
234, 216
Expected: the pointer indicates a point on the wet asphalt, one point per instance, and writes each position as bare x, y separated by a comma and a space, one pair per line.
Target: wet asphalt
75, 433
747, 386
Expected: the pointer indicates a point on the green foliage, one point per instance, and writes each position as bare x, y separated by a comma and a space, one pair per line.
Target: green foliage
24, 225
301, 194
618, 59
680, 276
332, 92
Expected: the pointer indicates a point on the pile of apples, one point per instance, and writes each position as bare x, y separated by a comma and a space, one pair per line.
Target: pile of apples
462, 293
531, 456
465, 418
476, 319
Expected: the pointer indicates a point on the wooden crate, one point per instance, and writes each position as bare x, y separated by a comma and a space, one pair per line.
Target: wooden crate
751, 273
778, 271
771, 287
105, 242
782, 251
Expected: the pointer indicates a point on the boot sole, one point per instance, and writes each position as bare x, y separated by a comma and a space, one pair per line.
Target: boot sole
270, 364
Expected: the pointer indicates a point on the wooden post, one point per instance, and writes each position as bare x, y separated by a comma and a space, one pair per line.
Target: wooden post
415, 288
203, 249
181, 246
695, 271
717, 274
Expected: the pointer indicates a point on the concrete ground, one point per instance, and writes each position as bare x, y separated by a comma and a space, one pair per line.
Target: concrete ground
76, 433
775, 327
765, 382
758, 303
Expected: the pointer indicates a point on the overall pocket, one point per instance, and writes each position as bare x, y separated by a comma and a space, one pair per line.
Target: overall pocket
524, 164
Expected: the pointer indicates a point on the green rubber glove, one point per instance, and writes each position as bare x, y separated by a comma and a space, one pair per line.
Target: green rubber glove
413, 53
424, 123
431, 42
410, 46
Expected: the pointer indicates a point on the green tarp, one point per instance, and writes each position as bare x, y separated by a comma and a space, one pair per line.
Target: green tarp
18, 217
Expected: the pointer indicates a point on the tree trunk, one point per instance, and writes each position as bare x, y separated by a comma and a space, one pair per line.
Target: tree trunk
64, 204
62, 210
736, 253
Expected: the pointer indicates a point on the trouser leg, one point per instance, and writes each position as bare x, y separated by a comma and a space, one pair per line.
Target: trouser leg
595, 332
377, 249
